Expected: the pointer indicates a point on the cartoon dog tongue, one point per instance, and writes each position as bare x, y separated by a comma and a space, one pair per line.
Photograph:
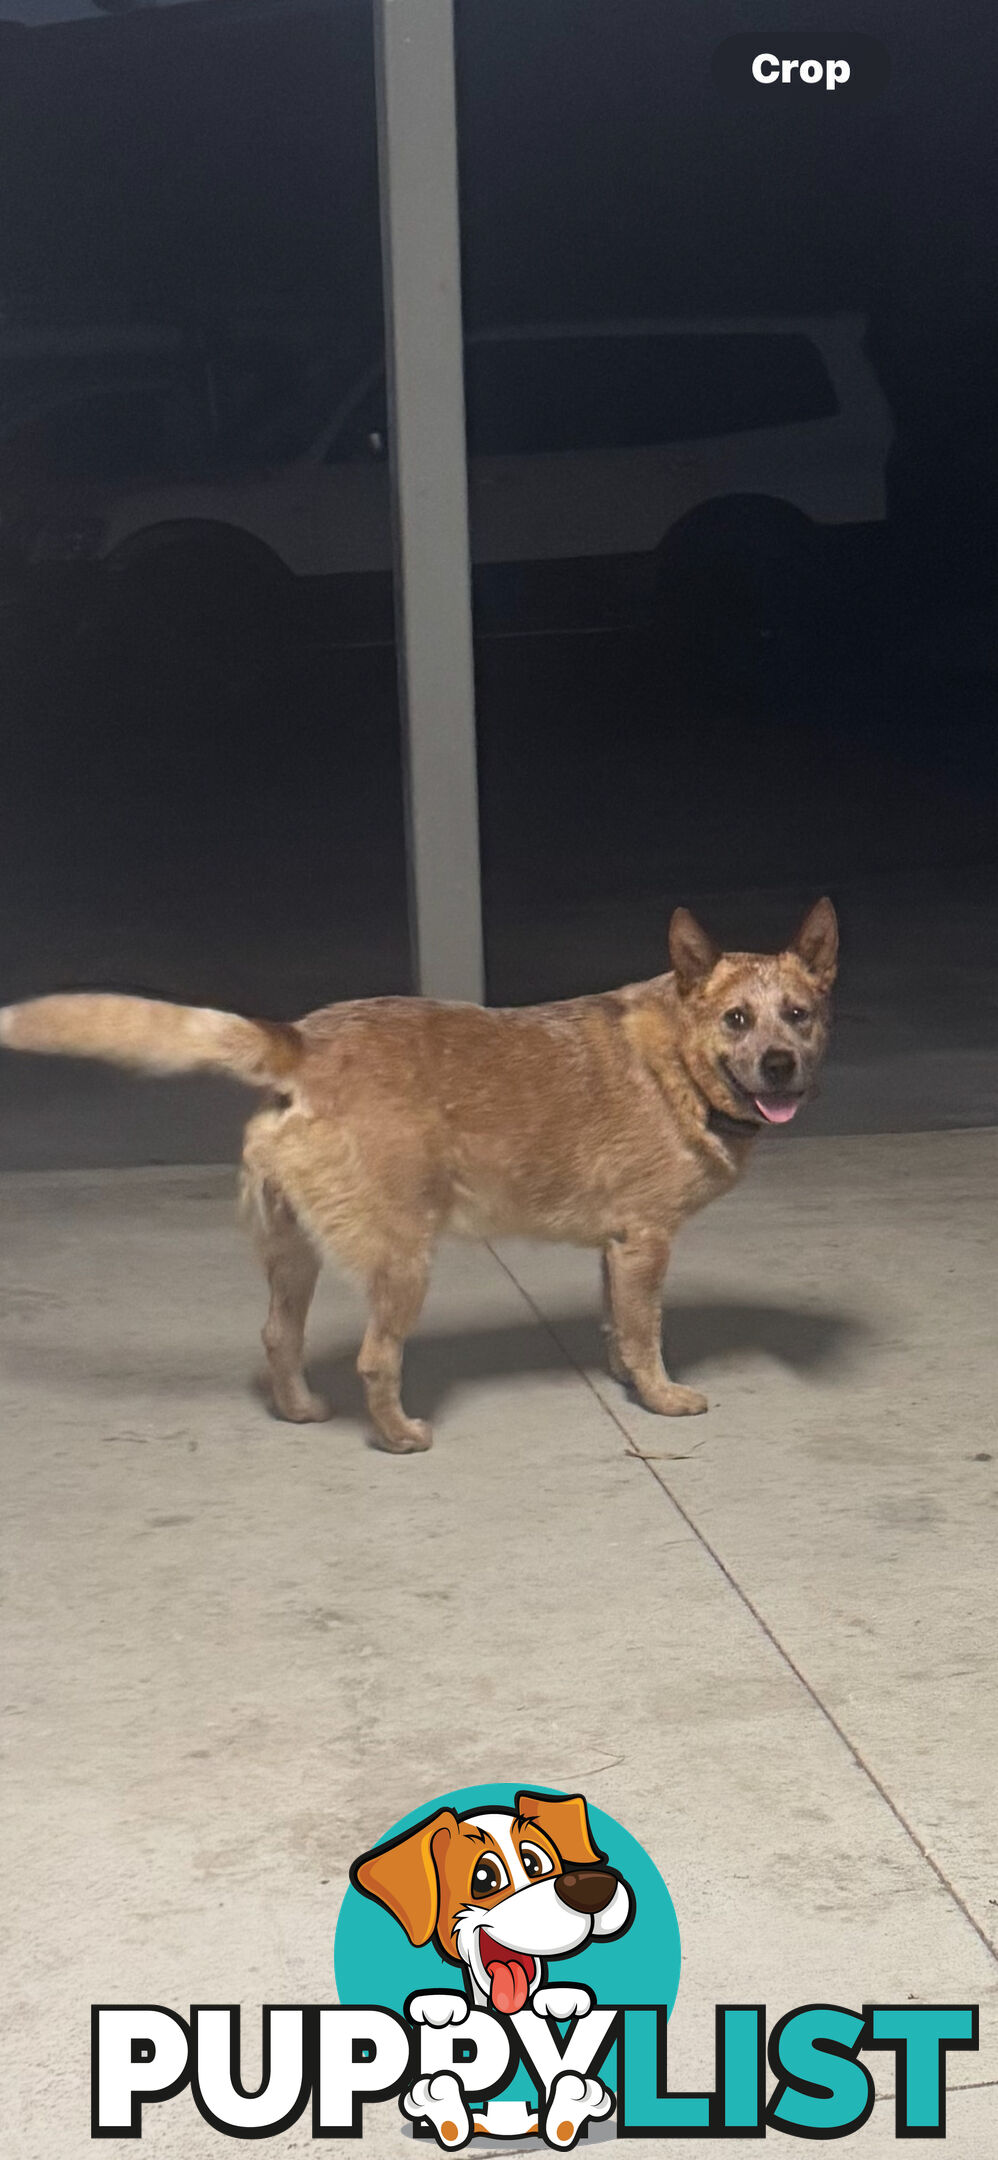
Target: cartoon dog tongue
509, 1985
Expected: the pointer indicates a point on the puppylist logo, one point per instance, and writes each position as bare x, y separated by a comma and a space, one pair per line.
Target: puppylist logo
506, 1963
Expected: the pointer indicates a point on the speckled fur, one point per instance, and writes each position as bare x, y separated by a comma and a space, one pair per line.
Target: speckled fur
396, 1121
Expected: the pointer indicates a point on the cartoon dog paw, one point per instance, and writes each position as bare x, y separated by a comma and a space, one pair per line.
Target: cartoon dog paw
439, 2101
442, 2009
574, 2102
563, 2002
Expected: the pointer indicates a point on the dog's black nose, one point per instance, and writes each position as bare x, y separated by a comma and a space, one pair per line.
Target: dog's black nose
587, 1890
777, 1067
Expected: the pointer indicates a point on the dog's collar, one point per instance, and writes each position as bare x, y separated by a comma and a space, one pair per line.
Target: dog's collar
731, 1128
722, 1123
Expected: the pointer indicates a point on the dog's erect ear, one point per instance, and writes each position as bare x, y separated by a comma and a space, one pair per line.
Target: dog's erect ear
403, 1875
817, 942
693, 953
566, 1823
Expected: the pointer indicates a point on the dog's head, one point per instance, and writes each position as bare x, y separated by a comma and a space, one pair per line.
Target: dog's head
499, 1890
753, 1027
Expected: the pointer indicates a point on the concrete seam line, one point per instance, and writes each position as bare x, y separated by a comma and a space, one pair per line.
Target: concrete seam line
761, 1622
976, 2085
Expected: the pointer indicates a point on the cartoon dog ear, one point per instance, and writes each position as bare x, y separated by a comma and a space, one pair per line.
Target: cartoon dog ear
691, 949
817, 942
403, 1875
566, 1823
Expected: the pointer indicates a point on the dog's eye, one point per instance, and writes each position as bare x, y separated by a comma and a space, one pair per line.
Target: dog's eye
737, 1019
798, 1014
535, 1862
489, 1876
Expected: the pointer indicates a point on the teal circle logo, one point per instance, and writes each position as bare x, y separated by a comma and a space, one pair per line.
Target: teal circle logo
377, 1961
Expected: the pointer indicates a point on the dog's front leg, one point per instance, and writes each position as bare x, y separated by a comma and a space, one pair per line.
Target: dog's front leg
442, 2007
636, 1265
561, 2003
439, 2098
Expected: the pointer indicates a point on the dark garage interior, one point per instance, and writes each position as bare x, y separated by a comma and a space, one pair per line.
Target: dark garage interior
201, 790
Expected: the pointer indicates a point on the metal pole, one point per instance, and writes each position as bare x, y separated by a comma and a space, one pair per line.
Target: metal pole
417, 156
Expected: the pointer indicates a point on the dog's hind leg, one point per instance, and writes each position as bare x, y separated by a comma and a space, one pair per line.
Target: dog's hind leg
635, 1275
396, 1289
292, 1265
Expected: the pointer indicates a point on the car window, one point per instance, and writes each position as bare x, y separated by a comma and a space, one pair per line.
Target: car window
592, 393
524, 396
261, 394
117, 435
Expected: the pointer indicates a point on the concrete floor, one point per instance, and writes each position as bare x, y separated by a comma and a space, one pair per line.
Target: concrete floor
238, 1651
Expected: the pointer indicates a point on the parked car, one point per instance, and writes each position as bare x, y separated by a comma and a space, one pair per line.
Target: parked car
685, 469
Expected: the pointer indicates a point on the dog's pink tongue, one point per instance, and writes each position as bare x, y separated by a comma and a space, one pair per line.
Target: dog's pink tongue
777, 1109
509, 1988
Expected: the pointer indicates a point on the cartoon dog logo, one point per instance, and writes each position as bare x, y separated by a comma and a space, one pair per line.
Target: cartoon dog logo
501, 1892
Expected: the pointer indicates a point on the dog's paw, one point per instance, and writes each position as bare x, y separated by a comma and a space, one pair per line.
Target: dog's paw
308, 1409
574, 2101
439, 2101
409, 1436
441, 2009
296, 1405
673, 1400
562, 2002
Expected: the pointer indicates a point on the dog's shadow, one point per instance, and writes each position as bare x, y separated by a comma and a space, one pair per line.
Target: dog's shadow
808, 1342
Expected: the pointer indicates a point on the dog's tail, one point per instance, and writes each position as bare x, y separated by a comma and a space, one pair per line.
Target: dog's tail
153, 1038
